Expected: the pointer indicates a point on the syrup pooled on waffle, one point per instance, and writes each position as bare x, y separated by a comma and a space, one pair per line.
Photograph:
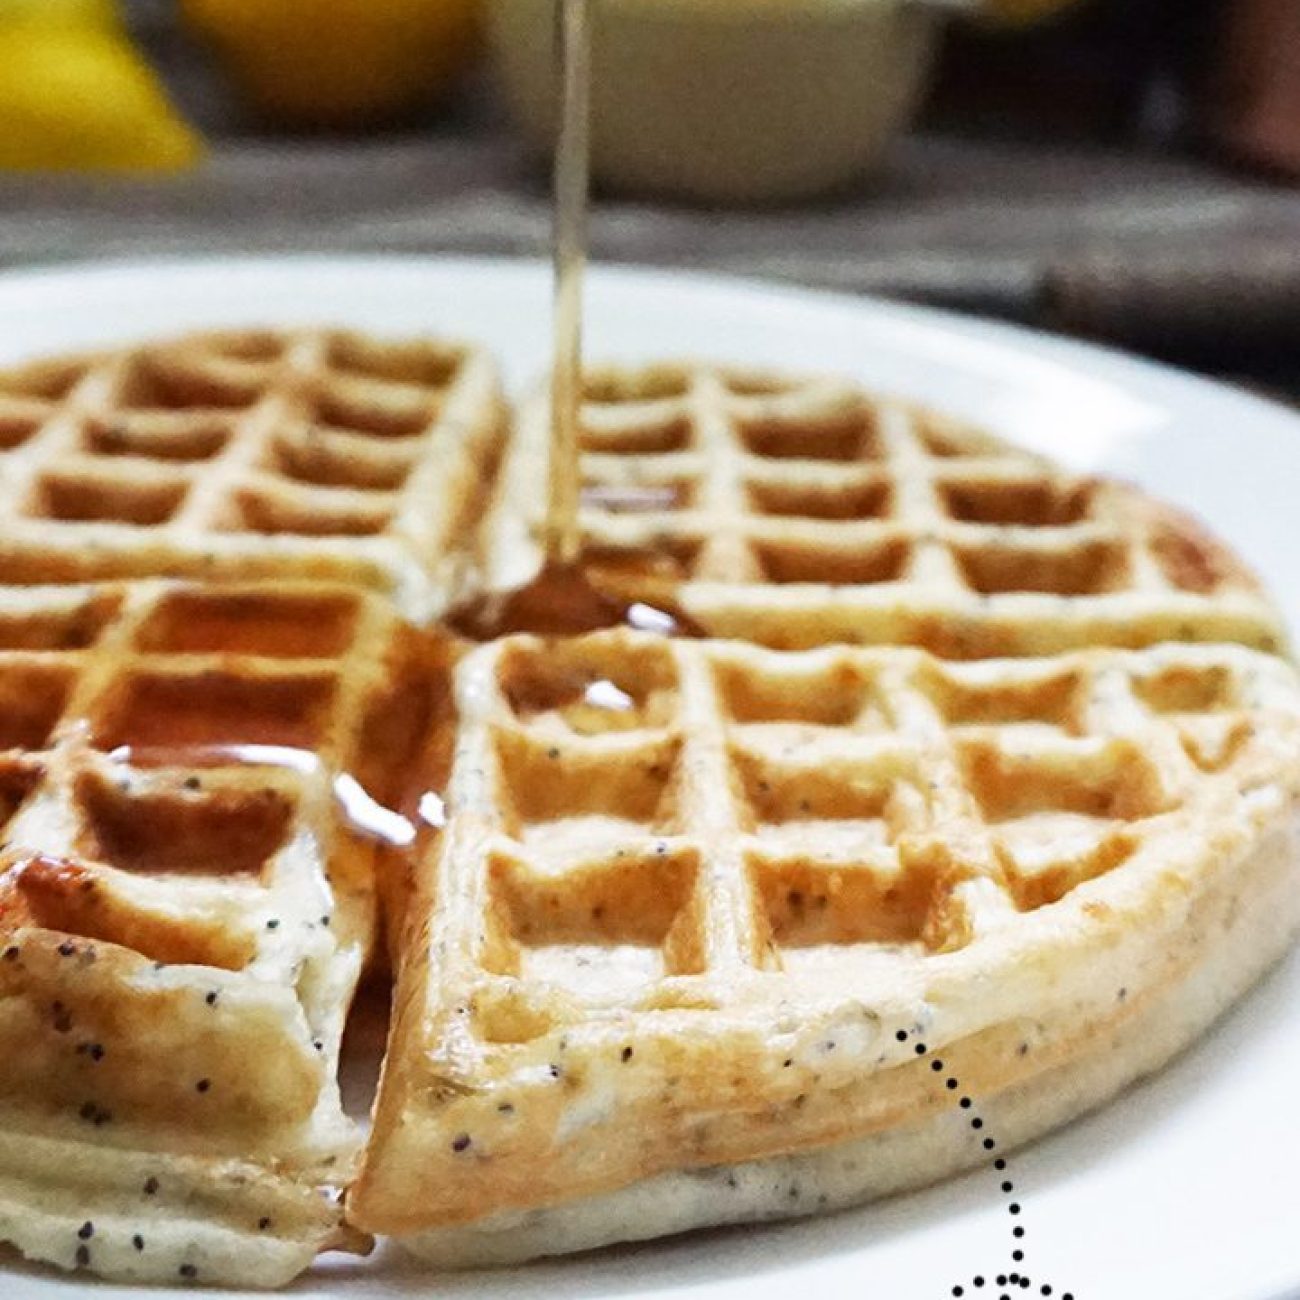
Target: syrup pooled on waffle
688, 891
658, 908
192, 781
797, 513
250, 454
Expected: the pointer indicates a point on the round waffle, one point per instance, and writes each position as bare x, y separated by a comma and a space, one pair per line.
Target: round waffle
969, 768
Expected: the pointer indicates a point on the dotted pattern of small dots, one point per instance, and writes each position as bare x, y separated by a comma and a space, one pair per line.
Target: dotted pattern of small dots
1006, 1283
1010, 1282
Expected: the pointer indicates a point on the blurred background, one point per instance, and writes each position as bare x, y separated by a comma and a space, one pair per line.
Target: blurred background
1126, 170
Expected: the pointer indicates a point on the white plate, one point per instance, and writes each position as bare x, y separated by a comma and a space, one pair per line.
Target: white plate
1188, 1185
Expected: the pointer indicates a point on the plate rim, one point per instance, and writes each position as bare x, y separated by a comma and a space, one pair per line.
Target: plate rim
46, 276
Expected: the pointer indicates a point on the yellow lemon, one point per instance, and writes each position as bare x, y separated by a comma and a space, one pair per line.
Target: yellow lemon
339, 62
74, 94
76, 13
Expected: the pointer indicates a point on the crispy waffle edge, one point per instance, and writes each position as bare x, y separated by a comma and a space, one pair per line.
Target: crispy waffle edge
515, 1118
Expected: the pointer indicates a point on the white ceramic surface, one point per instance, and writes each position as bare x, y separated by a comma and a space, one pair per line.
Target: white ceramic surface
726, 103
1188, 1185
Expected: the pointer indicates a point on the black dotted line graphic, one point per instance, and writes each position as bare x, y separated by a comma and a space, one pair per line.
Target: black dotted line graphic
1009, 1282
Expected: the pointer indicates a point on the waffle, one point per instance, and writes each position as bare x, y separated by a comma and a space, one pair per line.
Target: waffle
311, 454
186, 902
695, 902
995, 758
802, 512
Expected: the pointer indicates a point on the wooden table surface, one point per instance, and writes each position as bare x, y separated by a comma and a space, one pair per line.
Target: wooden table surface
1165, 253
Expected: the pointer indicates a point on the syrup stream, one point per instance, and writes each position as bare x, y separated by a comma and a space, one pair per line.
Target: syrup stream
566, 597
569, 254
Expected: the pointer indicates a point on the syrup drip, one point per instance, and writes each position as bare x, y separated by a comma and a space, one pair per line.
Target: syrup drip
569, 256
604, 694
631, 499
432, 809
363, 813
564, 600
646, 618
568, 596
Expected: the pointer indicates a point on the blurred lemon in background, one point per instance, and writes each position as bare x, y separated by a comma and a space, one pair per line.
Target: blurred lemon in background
77, 13
339, 62
75, 94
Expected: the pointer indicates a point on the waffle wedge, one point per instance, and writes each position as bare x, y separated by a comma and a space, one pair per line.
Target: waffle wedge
311, 454
186, 902
803, 512
690, 896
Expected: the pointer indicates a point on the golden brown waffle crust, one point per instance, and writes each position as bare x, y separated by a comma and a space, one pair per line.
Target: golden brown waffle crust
798, 511
311, 453
741, 1054
1179, 981
185, 911
999, 758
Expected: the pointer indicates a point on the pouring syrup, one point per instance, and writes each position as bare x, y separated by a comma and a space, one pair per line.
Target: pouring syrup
566, 597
